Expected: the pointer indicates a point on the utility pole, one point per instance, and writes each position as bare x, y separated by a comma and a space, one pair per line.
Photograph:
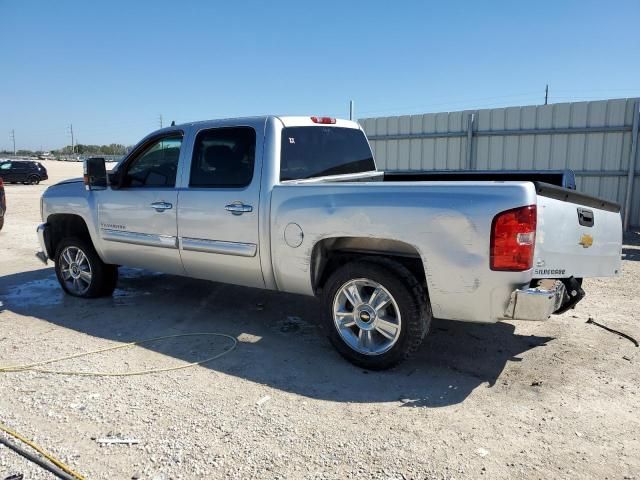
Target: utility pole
160, 120
546, 94
12, 136
351, 109
73, 149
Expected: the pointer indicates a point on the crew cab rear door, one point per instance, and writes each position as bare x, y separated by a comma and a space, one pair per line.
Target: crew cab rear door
577, 235
218, 204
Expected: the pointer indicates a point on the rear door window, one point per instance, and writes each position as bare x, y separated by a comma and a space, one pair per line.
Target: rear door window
309, 152
223, 158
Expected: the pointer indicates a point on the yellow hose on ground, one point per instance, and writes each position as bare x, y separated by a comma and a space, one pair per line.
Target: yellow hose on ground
38, 449
32, 366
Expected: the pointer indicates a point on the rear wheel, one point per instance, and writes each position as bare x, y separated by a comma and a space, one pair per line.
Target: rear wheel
33, 180
1, 222
81, 272
376, 313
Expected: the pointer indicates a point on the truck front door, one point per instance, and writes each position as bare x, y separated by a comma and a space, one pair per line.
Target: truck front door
138, 225
218, 205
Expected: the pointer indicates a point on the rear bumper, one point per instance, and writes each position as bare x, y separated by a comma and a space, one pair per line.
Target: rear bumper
536, 303
42, 253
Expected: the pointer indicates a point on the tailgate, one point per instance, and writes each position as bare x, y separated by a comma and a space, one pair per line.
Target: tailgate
577, 235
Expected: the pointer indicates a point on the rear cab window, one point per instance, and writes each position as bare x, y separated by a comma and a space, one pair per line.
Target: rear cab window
314, 151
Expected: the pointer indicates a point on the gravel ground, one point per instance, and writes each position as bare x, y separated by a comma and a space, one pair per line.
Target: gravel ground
558, 399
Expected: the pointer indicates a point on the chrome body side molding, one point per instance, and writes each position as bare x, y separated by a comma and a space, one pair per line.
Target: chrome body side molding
150, 240
217, 246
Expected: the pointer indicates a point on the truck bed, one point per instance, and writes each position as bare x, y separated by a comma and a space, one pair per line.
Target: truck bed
579, 235
561, 178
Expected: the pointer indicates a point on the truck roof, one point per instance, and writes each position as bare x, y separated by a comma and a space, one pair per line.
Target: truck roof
287, 121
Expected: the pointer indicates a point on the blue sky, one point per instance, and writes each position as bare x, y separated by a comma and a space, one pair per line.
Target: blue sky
111, 68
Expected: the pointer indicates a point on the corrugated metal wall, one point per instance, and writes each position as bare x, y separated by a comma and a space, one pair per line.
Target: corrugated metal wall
592, 138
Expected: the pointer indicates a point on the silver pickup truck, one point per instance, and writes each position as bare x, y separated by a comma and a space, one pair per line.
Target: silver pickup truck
296, 204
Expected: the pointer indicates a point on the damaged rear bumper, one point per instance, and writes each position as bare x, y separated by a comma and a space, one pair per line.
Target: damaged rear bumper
549, 296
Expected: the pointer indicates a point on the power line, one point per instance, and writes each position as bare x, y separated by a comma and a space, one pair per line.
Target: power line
12, 136
546, 94
72, 139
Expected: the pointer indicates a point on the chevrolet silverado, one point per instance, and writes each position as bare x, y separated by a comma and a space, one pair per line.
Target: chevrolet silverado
296, 204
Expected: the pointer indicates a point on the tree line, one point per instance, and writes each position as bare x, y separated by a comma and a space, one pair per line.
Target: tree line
80, 149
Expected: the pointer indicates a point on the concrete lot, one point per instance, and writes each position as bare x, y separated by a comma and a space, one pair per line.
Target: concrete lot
559, 399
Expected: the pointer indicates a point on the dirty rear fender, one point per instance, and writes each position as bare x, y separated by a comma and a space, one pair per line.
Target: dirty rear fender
447, 223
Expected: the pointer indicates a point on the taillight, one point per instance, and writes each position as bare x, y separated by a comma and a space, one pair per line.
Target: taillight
325, 120
513, 238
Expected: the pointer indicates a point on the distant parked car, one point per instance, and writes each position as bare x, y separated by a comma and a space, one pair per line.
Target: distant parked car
27, 172
3, 204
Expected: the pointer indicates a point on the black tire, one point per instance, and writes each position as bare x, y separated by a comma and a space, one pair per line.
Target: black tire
104, 277
1, 222
33, 180
409, 295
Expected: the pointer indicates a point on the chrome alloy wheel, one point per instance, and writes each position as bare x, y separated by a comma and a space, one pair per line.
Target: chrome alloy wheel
75, 270
366, 316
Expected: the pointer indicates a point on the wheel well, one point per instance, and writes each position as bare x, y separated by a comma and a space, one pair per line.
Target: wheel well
63, 226
331, 253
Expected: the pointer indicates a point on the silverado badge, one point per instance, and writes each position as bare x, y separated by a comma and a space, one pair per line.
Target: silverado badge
586, 240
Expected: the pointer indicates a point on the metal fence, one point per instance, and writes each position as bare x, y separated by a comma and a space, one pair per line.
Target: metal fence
598, 140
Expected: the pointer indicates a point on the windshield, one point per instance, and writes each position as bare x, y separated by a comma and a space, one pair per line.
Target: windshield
309, 152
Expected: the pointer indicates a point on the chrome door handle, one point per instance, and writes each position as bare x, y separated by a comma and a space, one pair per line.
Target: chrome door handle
161, 206
238, 208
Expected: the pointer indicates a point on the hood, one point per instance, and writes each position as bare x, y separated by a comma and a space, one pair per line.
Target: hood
70, 186
69, 180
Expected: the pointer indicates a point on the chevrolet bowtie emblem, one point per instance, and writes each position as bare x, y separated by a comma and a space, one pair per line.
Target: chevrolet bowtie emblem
586, 240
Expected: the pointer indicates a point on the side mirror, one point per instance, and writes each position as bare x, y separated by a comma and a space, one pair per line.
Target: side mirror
95, 174
114, 179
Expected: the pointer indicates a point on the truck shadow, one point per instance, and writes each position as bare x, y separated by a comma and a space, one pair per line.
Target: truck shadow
281, 342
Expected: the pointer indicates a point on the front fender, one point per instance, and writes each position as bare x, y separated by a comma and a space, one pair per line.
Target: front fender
72, 198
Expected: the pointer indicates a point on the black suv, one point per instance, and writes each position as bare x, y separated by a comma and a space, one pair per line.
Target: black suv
27, 172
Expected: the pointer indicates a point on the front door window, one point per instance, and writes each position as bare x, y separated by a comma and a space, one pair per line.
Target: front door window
156, 167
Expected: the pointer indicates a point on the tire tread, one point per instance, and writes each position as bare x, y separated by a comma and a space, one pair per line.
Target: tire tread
105, 276
418, 315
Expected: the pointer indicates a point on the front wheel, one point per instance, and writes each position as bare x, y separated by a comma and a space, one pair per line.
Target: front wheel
81, 272
376, 312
